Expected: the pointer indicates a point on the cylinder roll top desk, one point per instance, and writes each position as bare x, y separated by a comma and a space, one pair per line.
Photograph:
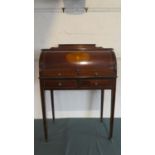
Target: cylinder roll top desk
77, 67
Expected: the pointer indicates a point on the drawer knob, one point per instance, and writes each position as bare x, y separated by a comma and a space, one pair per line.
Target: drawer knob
59, 84
78, 70
96, 83
59, 74
96, 73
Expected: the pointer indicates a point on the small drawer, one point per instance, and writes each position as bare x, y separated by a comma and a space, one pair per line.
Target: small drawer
59, 84
58, 73
106, 83
96, 73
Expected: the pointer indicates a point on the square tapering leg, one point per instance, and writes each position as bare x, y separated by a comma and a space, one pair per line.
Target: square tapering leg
113, 90
42, 92
102, 102
52, 104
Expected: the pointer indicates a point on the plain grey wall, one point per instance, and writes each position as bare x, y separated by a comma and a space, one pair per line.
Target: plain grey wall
53, 28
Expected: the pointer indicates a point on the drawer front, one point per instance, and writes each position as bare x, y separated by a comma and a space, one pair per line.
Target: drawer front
96, 73
107, 84
60, 84
58, 73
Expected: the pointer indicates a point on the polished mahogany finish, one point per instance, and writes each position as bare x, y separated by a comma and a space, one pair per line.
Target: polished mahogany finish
77, 66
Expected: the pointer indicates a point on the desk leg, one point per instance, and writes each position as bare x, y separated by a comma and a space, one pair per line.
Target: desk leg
52, 105
102, 96
113, 90
44, 111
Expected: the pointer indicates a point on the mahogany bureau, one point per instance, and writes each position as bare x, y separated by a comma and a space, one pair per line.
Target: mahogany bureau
78, 67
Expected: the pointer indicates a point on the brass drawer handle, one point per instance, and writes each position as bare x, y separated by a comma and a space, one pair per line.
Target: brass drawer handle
59, 84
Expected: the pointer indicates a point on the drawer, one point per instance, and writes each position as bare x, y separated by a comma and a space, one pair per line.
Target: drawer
106, 83
58, 73
96, 73
60, 84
